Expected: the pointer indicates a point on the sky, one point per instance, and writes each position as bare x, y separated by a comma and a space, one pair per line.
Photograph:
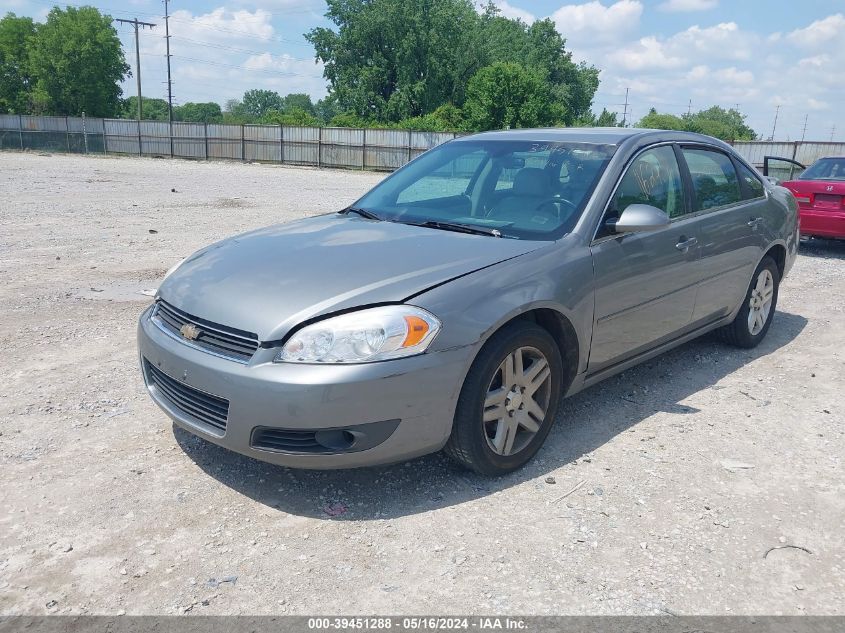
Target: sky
673, 55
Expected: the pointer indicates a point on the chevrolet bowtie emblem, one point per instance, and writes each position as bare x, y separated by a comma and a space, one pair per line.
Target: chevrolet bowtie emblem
190, 331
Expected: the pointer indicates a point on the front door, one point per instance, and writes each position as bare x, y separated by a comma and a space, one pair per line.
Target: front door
645, 282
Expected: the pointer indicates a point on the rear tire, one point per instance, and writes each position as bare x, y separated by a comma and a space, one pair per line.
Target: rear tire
752, 321
508, 402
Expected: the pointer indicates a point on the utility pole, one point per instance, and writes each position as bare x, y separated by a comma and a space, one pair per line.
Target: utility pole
169, 80
136, 24
804, 131
775, 124
689, 108
832, 132
625, 112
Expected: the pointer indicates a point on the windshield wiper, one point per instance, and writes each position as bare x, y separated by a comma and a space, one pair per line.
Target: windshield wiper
362, 212
458, 228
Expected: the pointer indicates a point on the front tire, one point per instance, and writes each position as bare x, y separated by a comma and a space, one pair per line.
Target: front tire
752, 321
508, 402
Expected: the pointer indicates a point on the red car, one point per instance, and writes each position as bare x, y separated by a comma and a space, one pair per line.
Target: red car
819, 190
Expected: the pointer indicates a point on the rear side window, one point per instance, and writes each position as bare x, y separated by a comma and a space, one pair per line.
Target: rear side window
753, 187
714, 179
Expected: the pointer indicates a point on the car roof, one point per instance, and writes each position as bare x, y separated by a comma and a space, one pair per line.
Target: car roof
602, 135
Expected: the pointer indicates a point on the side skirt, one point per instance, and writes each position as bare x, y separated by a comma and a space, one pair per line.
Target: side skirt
589, 379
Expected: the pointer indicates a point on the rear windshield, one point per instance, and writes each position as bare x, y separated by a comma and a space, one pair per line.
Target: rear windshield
825, 169
522, 189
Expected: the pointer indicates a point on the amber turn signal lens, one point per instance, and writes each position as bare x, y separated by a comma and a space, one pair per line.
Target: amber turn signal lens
417, 329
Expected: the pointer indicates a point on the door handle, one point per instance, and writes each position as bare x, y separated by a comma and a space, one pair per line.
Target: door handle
685, 243
753, 222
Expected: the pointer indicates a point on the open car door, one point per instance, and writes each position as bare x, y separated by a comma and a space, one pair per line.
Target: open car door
779, 169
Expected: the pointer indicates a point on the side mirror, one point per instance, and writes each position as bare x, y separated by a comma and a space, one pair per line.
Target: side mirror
640, 217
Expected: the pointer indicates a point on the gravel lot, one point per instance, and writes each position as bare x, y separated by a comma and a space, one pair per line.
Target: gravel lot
686, 471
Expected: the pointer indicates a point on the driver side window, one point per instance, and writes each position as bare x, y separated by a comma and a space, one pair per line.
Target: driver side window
654, 179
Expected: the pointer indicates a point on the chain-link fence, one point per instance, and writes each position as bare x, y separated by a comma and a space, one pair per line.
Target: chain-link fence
317, 146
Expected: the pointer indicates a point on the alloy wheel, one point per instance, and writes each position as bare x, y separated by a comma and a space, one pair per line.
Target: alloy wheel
517, 401
760, 302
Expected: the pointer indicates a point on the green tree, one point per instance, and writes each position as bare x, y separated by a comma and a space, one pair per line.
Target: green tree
16, 33
506, 95
721, 123
326, 109
605, 119
198, 112
542, 49
656, 121
259, 102
153, 110
393, 59
78, 63
298, 100
291, 116
728, 125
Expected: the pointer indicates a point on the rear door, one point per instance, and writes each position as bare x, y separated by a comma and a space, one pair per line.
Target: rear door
645, 282
730, 207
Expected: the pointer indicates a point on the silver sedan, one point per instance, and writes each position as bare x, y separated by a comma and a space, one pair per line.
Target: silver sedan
457, 302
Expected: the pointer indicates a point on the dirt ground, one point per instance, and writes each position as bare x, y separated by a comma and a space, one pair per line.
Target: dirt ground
673, 482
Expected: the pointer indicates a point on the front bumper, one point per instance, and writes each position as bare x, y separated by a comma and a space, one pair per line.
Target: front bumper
410, 400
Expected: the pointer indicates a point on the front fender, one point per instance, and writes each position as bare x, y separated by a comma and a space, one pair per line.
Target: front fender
472, 308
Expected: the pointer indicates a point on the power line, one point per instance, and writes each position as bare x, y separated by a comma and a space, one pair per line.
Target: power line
234, 49
136, 24
244, 34
254, 70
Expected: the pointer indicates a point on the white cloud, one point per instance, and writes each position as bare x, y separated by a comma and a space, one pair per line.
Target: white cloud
723, 41
647, 53
515, 13
220, 54
594, 21
820, 32
815, 104
679, 6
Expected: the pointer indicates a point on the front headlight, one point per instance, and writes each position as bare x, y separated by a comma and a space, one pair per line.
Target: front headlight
361, 337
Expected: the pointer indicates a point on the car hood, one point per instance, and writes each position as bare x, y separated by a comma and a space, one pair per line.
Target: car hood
270, 280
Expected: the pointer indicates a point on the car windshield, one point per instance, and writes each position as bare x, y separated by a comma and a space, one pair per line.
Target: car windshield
514, 189
825, 169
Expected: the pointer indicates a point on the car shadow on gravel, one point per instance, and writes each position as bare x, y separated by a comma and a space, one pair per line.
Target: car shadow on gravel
586, 421
823, 249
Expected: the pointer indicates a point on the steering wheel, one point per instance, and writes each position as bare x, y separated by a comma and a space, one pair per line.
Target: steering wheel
557, 200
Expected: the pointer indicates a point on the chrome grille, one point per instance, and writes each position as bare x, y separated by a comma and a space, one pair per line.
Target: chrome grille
198, 405
213, 337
